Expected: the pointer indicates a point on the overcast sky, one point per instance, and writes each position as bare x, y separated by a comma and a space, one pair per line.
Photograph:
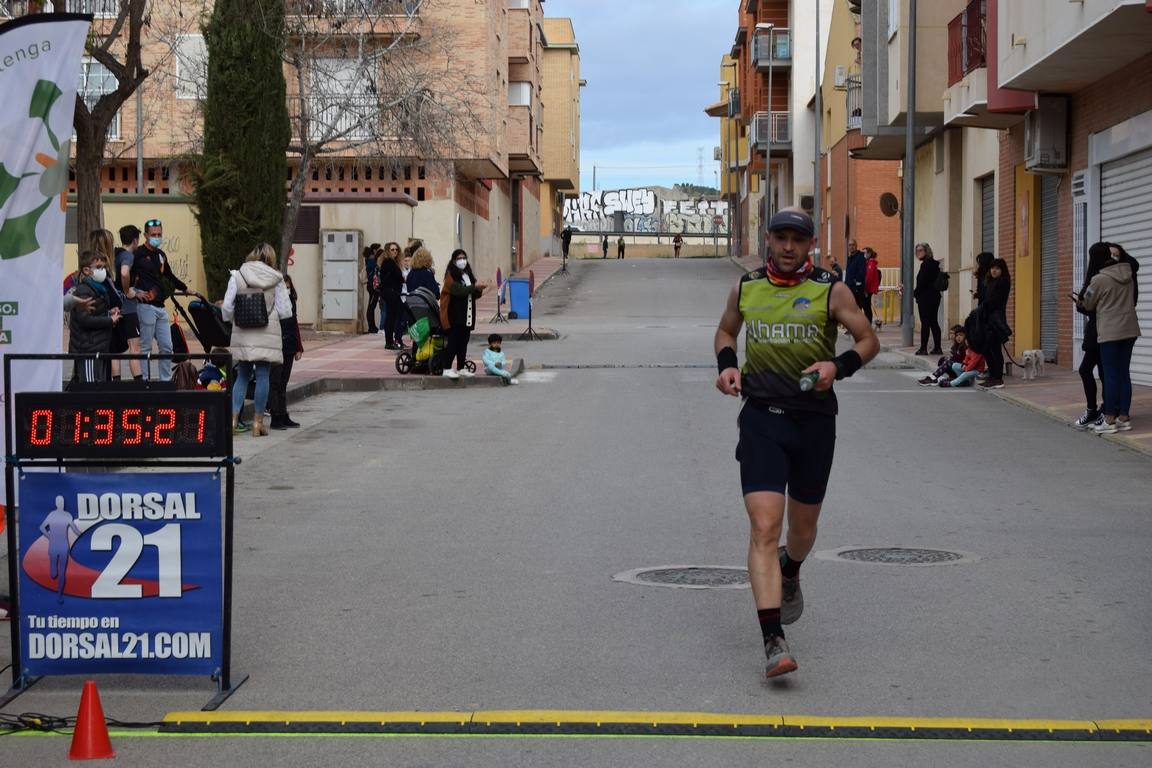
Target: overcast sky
652, 67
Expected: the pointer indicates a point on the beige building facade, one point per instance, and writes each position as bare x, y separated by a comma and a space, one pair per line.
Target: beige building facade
488, 195
561, 148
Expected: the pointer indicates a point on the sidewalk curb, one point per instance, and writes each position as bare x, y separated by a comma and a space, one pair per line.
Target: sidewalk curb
299, 392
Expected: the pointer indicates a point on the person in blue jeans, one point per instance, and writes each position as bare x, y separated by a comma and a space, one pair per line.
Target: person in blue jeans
255, 349
1112, 295
151, 282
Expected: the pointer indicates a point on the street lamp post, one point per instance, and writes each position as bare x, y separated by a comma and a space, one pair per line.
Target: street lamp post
766, 202
908, 207
819, 142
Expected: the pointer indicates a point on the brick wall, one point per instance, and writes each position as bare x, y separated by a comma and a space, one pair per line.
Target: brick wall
1105, 103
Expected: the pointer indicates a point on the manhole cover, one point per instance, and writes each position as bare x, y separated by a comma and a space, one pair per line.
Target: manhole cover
688, 576
900, 555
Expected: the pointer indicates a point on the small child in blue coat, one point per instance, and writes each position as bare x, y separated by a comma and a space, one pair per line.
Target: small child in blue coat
494, 359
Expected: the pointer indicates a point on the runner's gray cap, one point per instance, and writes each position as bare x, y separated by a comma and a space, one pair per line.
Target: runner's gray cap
801, 222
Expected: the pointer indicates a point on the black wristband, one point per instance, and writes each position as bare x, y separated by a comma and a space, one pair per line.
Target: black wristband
847, 364
725, 359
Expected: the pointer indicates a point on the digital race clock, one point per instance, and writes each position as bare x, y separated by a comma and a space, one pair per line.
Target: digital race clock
96, 425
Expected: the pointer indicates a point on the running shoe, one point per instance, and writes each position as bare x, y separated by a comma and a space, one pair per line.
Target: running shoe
1123, 426
945, 383
993, 384
927, 381
792, 598
1104, 428
780, 659
466, 373
1087, 420
450, 374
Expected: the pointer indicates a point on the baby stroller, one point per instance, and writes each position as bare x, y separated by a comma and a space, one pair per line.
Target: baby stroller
426, 355
206, 322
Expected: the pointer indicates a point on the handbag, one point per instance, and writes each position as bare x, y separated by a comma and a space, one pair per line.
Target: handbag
250, 309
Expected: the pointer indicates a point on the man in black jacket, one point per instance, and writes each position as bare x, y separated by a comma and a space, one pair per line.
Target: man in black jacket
150, 278
927, 299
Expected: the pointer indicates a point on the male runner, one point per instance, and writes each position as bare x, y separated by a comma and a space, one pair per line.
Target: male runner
787, 431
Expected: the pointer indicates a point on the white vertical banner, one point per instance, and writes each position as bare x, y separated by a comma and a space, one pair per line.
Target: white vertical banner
40, 59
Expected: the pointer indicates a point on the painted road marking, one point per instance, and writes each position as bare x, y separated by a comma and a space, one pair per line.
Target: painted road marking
608, 723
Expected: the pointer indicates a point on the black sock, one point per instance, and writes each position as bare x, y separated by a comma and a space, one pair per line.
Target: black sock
789, 568
139, 377
770, 622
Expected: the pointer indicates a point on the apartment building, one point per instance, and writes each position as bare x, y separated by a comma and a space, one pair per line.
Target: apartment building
860, 199
773, 112
1078, 169
957, 157
1040, 146
561, 151
485, 195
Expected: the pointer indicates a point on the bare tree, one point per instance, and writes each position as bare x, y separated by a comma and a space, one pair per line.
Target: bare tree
374, 80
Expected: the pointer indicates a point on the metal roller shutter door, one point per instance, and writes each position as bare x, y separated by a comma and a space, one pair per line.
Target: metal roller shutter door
1126, 218
1049, 266
988, 214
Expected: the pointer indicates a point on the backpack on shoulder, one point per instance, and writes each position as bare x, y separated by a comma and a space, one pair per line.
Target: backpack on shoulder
251, 308
941, 283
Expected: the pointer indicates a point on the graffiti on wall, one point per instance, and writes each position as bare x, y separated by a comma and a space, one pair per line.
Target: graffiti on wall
644, 210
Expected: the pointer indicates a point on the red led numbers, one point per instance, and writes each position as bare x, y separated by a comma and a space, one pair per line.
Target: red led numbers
41, 427
165, 422
76, 432
130, 425
103, 426
200, 418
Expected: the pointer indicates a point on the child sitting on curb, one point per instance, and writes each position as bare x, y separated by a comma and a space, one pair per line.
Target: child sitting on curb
494, 360
944, 370
965, 372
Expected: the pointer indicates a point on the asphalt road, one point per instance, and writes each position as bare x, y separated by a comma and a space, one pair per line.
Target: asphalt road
455, 550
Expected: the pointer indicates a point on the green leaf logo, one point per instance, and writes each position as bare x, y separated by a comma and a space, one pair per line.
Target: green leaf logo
44, 96
18, 235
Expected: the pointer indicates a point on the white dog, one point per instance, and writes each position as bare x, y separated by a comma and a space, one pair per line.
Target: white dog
1032, 361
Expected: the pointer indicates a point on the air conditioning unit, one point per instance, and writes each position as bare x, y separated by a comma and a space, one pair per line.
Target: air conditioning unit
1046, 136
717, 153
841, 76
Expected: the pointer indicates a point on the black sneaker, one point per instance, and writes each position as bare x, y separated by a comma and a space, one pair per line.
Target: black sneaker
792, 599
921, 351
993, 384
927, 381
1087, 420
780, 659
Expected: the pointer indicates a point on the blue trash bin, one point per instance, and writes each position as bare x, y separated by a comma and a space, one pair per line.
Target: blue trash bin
518, 297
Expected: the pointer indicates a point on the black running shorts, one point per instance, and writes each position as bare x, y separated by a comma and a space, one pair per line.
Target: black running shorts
785, 451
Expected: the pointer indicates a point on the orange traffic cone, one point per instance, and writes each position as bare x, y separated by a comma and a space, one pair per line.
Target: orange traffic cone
90, 739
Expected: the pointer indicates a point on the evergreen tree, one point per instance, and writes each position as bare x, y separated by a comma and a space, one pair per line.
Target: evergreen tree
240, 183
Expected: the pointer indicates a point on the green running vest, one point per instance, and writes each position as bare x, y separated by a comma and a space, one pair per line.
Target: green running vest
787, 328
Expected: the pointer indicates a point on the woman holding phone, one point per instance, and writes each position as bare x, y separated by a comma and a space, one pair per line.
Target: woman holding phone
1090, 363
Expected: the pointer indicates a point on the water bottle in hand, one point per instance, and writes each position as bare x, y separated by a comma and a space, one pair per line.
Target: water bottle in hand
808, 381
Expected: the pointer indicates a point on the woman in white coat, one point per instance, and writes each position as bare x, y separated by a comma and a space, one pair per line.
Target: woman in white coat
255, 349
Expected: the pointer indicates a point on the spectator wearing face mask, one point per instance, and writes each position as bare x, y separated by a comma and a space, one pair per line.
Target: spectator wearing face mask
458, 312
90, 327
152, 280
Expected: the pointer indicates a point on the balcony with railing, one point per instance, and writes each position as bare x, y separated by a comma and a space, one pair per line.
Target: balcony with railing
854, 101
733, 102
336, 117
101, 9
335, 18
966, 42
772, 48
772, 131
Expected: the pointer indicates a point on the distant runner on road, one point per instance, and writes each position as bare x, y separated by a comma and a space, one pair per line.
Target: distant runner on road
790, 310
